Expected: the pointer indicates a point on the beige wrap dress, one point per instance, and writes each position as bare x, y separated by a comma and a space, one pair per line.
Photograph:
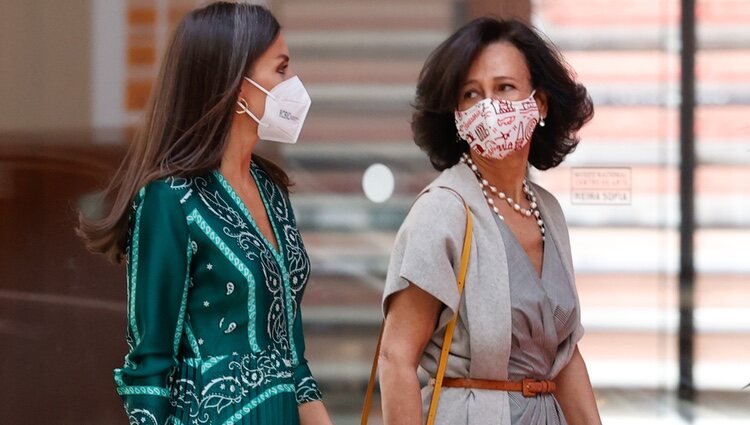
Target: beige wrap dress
427, 252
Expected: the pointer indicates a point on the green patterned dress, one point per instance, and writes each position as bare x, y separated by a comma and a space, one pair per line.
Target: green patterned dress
214, 323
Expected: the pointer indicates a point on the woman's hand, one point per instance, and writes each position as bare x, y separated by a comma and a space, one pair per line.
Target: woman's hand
313, 413
410, 321
574, 393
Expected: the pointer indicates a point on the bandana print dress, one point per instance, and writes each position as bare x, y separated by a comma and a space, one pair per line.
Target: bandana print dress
214, 323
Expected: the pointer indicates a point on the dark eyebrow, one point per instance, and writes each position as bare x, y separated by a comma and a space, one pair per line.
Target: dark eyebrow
498, 78
466, 83
283, 56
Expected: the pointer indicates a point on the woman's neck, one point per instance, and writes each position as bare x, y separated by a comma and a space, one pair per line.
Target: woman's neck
505, 174
238, 155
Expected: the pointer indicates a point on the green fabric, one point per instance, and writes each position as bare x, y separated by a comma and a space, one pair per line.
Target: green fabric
214, 326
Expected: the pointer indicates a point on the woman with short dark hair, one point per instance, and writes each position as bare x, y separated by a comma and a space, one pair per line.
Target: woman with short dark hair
492, 99
216, 267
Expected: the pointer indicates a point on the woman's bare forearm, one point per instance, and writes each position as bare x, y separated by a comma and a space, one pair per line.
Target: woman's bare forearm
575, 395
313, 413
410, 322
401, 397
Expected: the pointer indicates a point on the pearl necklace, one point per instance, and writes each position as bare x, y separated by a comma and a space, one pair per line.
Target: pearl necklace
485, 185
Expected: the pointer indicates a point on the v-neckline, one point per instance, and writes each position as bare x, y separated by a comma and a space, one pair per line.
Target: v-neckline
241, 205
539, 277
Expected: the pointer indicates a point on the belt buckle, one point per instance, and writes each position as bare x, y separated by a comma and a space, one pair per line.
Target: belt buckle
526, 388
532, 388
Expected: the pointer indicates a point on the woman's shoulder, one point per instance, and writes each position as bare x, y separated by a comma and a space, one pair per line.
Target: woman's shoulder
548, 199
167, 192
444, 195
437, 211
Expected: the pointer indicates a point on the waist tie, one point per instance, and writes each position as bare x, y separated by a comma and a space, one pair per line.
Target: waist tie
528, 387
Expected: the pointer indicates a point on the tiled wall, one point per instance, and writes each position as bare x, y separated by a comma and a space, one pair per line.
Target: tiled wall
149, 26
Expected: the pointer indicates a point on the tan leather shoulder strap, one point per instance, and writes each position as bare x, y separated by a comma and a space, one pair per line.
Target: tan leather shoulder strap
373, 375
465, 254
448, 338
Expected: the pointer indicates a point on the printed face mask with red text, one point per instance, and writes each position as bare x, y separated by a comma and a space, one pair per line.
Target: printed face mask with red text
496, 128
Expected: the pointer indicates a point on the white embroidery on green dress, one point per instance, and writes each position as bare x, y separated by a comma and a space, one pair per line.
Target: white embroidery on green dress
196, 217
205, 365
307, 390
230, 385
284, 273
211, 362
183, 303
192, 341
118, 377
252, 404
144, 415
175, 421
278, 256
134, 267
143, 390
238, 201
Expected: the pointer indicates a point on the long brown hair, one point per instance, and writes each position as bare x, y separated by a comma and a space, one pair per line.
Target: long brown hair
189, 113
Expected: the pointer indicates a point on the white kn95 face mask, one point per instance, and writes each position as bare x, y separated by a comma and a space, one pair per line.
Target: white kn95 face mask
287, 105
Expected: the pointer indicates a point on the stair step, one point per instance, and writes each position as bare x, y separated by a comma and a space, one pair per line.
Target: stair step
395, 71
587, 14
356, 126
357, 44
382, 15
624, 38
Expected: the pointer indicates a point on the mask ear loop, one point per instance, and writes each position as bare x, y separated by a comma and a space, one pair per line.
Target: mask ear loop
244, 109
259, 87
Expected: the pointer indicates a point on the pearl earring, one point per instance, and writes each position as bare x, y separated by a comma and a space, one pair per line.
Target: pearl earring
542, 123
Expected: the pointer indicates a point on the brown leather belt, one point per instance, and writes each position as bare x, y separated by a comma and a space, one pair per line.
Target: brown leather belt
528, 387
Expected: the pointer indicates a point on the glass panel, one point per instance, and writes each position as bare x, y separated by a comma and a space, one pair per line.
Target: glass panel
722, 315
619, 188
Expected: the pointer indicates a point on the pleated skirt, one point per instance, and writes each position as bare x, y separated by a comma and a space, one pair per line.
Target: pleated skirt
233, 390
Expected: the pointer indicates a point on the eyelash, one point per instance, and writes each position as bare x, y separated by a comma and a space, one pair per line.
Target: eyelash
282, 70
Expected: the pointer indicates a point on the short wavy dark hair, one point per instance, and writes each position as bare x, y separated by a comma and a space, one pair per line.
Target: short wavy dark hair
437, 97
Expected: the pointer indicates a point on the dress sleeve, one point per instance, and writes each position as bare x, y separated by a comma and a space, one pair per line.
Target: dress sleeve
304, 382
158, 276
427, 248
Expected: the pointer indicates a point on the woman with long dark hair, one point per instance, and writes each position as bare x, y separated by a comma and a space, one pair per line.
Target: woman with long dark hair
493, 99
216, 267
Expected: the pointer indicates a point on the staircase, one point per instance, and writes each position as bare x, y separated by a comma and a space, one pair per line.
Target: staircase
360, 61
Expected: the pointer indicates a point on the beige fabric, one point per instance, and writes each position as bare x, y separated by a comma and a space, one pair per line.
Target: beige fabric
427, 247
